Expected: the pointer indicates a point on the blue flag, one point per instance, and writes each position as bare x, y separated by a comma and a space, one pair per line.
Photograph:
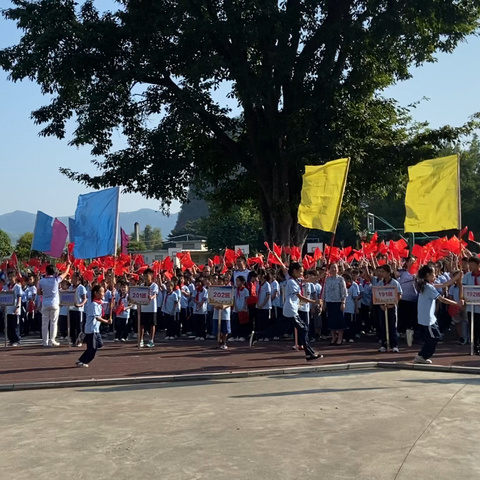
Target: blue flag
96, 223
43, 232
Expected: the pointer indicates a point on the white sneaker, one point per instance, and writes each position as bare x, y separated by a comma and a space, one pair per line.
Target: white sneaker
55, 344
382, 349
223, 347
241, 339
116, 340
82, 365
45, 345
266, 339
142, 344
15, 344
419, 359
276, 338
395, 350
232, 339
123, 339
351, 340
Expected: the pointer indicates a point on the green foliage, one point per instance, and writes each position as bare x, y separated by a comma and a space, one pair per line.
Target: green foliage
23, 245
308, 76
241, 225
150, 239
6, 247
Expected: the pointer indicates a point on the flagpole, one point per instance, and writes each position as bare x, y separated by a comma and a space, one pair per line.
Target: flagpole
112, 301
459, 194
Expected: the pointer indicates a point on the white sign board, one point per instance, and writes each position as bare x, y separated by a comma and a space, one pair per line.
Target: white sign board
312, 246
245, 249
385, 295
471, 294
7, 299
139, 295
67, 297
220, 295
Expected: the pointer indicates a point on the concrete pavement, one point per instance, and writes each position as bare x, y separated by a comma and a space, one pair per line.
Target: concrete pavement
392, 425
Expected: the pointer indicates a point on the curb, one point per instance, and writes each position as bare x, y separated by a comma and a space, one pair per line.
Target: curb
202, 377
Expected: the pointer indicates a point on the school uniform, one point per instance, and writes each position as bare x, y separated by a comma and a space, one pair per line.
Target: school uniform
427, 321
200, 312
263, 314
353, 292
93, 339
50, 308
183, 305
366, 307
392, 318
290, 311
240, 330
148, 318
13, 314
30, 294
62, 321
225, 326
77, 314
122, 326
335, 293
169, 310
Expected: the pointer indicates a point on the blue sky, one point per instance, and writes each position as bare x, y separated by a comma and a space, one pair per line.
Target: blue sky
32, 181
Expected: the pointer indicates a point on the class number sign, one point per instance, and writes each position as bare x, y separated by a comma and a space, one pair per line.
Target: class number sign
471, 294
67, 298
139, 295
220, 295
385, 295
7, 299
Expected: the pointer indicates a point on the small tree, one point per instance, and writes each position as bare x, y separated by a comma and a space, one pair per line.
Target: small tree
6, 246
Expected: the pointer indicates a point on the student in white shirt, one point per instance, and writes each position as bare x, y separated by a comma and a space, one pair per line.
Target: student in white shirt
13, 312
77, 311
200, 303
290, 309
48, 288
148, 317
240, 315
264, 303
171, 301
122, 313
351, 306
473, 278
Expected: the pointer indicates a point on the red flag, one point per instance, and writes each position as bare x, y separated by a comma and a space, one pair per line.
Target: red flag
210, 262
308, 262
120, 309
217, 260
287, 250
273, 260
254, 260
471, 236
267, 245
374, 238
463, 232
13, 262
317, 254
239, 253
229, 256
168, 264
277, 250
88, 275
295, 254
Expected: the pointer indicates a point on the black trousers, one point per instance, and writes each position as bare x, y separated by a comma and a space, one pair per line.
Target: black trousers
93, 342
407, 316
430, 336
199, 320
13, 328
76, 324
302, 329
122, 328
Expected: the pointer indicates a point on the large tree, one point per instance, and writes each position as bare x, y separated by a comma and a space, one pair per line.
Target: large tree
6, 247
307, 76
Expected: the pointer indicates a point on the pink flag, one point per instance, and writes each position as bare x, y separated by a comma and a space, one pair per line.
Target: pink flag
59, 237
124, 241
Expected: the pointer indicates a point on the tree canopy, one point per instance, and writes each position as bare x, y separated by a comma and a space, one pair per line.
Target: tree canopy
307, 75
23, 245
6, 247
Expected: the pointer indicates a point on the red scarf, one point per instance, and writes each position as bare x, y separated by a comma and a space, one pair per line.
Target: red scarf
240, 289
166, 297
199, 291
100, 302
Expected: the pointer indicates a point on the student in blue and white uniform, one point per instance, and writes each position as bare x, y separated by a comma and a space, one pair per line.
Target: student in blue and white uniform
200, 300
95, 316
77, 311
30, 295
222, 313
240, 310
473, 278
353, 293
13, 312
386, 279
171, 301
290, 309
63, 314
428, 294
264, 303
122, 313
148, 318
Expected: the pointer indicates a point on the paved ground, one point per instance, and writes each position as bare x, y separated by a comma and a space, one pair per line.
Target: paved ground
375, 425
34, 363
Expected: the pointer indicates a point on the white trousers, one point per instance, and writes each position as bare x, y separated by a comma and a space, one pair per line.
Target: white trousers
49, 318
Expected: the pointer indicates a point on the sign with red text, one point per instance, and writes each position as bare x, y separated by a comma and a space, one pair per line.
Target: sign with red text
139, 295
385, 295
7, 299
471, 294
220, 296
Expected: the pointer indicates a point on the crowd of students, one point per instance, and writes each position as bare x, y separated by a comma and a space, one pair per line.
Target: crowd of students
270, 304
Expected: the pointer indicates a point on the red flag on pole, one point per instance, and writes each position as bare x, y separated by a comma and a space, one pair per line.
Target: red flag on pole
124, 241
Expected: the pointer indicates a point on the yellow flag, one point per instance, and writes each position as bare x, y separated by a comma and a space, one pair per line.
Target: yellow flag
322, 195
432, 202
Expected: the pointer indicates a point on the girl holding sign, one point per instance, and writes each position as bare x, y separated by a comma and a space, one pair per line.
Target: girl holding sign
428, 294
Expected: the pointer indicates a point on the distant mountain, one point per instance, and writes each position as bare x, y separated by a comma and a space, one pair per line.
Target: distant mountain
19, 222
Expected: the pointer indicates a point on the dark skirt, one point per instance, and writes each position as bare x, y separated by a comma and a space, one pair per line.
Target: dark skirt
335, 317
